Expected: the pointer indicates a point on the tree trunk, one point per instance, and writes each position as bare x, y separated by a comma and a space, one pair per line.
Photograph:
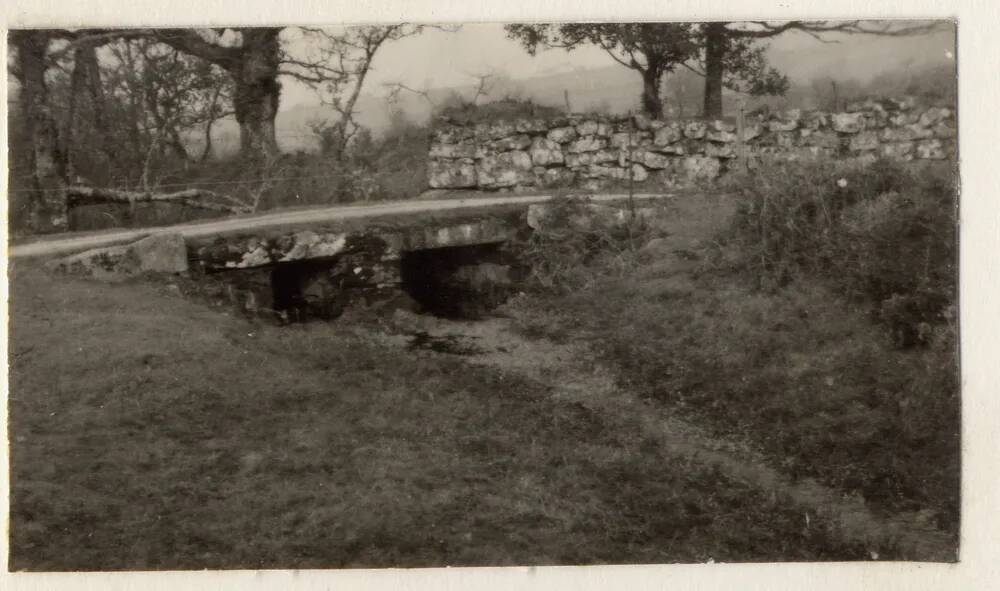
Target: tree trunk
88, 143
46, 207
177, 146
651, 103
715, 54
257, 92
253, 66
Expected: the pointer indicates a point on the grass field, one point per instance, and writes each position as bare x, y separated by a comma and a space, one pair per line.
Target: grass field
152, 432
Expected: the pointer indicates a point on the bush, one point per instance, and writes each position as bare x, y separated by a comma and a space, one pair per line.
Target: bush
463, 112
371, 169
883, 233
794, 368
578, 243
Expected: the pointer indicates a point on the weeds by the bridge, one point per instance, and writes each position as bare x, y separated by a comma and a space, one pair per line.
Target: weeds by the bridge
820, 327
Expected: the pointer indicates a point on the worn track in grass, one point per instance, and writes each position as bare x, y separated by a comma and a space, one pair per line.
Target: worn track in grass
574, 374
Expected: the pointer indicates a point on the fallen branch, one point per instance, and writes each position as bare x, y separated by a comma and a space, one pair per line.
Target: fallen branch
189, 197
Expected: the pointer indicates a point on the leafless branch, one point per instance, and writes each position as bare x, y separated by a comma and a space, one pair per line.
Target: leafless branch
395, 89
78, 195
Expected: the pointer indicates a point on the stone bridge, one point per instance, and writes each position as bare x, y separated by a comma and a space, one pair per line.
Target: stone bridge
293, 259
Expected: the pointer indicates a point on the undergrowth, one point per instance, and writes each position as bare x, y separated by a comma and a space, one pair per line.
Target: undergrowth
820, 326
883, 234
573, 236
464, 112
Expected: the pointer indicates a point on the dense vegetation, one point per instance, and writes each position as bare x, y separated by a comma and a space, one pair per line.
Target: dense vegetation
820, 325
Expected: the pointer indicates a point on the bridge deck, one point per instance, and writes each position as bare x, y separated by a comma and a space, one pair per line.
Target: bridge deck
298, 219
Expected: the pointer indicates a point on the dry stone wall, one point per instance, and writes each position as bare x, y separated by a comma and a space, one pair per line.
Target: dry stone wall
592, 152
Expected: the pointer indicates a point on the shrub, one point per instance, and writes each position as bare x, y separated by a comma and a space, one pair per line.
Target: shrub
578, 243
464, 113
883, 233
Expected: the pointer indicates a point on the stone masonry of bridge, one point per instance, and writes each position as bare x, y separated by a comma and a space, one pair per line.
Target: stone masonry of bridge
593, 152
323, 264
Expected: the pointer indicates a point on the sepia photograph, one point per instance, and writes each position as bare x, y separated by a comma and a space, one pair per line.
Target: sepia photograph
418, 295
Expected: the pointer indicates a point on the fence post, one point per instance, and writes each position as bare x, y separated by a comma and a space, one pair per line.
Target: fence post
631, 199
741, 154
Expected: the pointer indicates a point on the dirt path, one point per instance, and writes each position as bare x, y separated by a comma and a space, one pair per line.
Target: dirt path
575, 375
63, 245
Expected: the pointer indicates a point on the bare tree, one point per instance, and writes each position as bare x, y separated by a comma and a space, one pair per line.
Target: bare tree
337, 66
46, 207
395, 90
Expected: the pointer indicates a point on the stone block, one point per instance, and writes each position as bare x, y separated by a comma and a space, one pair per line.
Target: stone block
652, 160
934, 115
555, 177
902, 150
159, 253
622, 140
500, 129
641, 121
815, 121
847, 122
505, 170
695, 130
443, 174
562, 135
752, 130
587, 127
639, 173
700, 168
864, 141
545, 152
778, 125
720, 136
667, 135
531, 126
514, 142
453, 151
587, 144
720, 150
931, 150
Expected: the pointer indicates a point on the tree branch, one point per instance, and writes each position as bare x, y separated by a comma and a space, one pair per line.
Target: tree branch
190, 197
188, 41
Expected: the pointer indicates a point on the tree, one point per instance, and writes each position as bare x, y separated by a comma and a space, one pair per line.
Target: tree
337, 66
651, 49
46, 210
732, 57
253, 63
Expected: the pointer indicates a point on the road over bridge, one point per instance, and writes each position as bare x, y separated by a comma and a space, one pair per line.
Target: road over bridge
435, 250
419, 217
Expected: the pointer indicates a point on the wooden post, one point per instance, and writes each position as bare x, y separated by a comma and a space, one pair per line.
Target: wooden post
566, 98
741, 155
631, 175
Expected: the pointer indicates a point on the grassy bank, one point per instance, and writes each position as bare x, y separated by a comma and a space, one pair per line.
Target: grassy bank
150, 432
818, 326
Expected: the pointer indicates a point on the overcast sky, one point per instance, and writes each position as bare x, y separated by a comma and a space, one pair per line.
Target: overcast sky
437, 59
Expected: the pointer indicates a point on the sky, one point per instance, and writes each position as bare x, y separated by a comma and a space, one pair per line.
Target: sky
437, 59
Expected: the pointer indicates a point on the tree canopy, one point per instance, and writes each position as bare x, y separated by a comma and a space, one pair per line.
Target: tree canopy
651, 49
